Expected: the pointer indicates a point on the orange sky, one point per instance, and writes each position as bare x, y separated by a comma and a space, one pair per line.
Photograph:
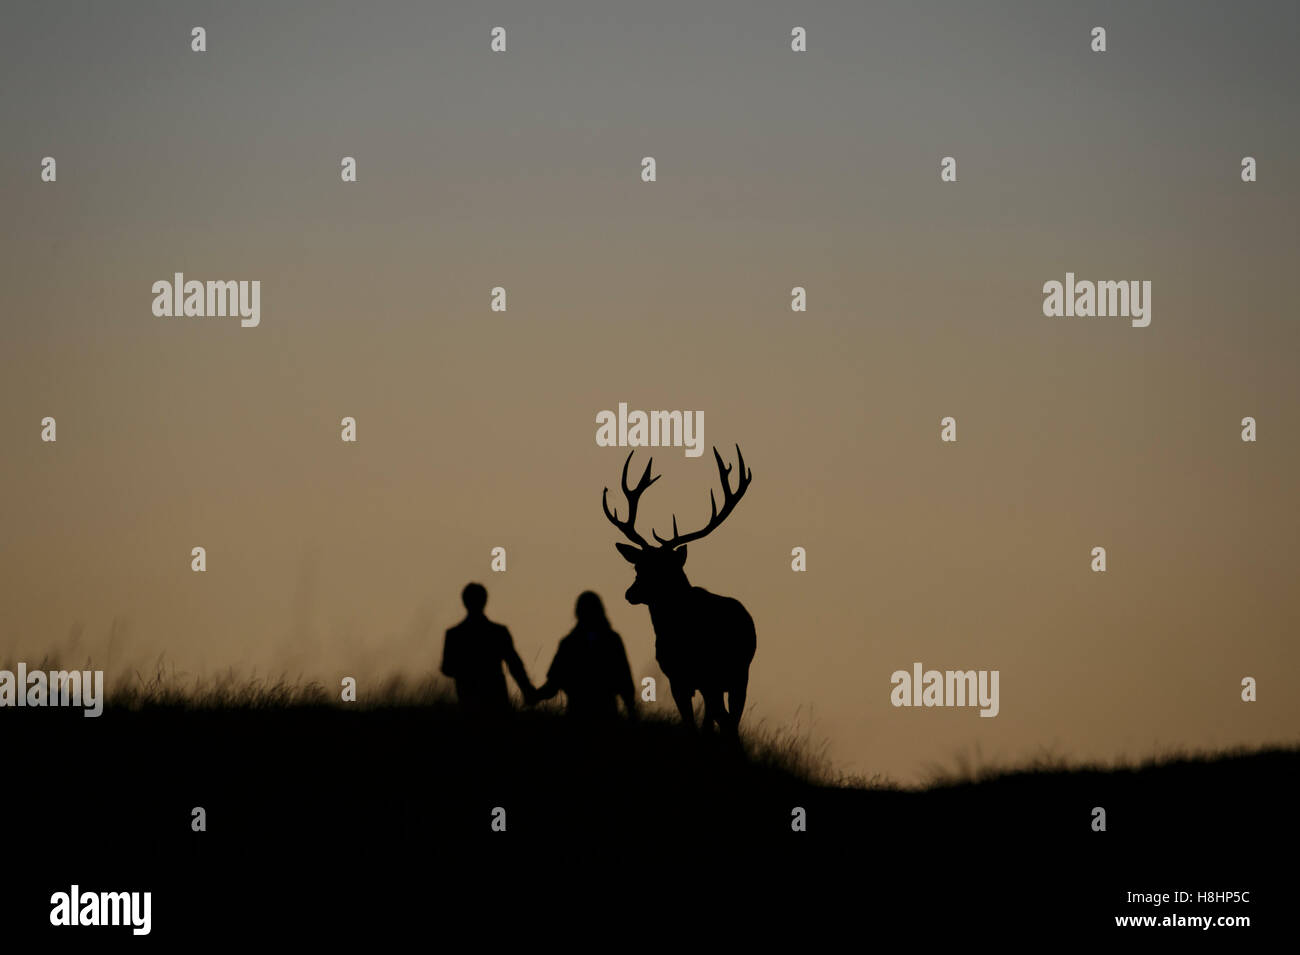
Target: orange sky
476, 429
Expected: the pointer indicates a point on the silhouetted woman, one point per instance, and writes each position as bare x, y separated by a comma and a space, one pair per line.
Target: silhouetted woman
591, 666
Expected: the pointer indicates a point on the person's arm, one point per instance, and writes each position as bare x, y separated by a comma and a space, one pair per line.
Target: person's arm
449, 661
516, 666
628, 691
554, 676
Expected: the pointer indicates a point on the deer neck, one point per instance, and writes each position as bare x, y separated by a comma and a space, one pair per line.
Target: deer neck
669, 606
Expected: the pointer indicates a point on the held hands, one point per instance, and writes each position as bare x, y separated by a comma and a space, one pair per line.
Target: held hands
534, 695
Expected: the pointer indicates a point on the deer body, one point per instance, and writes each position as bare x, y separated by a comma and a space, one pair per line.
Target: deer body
703, 641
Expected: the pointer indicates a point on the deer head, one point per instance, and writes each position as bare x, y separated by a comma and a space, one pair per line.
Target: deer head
659, 570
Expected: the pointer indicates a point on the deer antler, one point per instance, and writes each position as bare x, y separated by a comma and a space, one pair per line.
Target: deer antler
633, 495
729, 500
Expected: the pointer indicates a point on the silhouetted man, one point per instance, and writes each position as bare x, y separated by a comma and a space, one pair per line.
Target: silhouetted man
472, 656
591, 666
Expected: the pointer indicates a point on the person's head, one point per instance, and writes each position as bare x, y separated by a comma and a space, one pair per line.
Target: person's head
474, 597
590, 611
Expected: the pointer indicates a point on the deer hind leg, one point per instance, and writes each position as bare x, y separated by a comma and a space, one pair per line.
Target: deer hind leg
683, 700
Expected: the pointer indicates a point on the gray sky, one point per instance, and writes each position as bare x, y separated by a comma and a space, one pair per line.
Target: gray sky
775, 169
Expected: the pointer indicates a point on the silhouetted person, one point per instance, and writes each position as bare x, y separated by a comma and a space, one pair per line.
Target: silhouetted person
472, 656
591, 666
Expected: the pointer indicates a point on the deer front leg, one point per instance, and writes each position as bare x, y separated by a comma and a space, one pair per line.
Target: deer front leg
683, 700
714, 711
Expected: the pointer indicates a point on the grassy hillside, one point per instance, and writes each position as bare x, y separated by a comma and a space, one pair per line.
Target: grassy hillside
304, 795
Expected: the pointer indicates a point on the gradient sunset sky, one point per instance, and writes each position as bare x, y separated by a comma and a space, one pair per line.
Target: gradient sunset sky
775, 169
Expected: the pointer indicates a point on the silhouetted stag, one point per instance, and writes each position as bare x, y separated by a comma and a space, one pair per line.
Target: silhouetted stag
703, 641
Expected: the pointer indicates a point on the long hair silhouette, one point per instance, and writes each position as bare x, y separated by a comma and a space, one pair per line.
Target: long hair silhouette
590, 665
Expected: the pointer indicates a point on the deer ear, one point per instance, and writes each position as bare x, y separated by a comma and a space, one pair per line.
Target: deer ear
681, 554
630, 554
